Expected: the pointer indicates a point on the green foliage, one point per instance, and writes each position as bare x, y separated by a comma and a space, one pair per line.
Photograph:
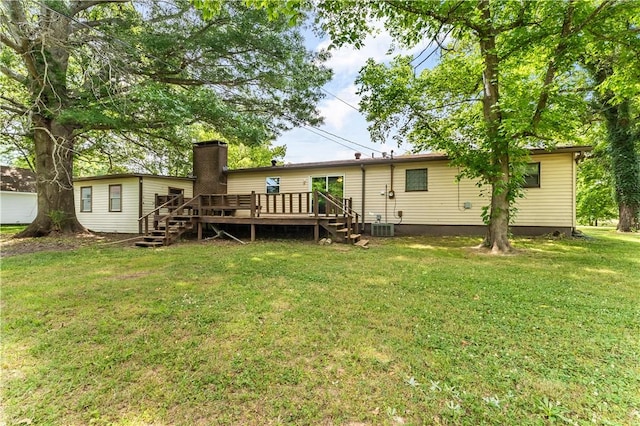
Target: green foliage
611, 59
58, 218
140, 77
241, 156
595, 190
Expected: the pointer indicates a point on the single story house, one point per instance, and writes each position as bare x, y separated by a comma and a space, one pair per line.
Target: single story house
18, 197
113, 203
408, 194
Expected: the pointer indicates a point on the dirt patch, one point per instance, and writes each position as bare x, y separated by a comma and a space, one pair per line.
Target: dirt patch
10, 246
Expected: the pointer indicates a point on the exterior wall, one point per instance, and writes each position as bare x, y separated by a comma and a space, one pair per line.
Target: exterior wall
551, 205
18, 207
100, 219
153, 185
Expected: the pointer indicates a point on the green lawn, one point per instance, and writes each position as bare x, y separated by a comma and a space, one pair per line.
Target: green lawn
414, 330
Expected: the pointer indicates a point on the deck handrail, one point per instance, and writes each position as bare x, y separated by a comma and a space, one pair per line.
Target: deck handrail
156, 210
341, 204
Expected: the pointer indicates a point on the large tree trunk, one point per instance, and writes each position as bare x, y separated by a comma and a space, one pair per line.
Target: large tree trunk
54, 170
47, 61
627, 221
497, 238
625, 163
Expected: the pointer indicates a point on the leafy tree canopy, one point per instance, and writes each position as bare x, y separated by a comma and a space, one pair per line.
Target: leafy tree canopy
83, 77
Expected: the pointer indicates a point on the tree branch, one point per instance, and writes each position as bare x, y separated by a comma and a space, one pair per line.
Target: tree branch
93, 24
17, 106
22, 79
443, 19
553, 65
80, 5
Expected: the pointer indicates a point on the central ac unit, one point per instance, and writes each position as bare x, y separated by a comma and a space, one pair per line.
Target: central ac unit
382, 229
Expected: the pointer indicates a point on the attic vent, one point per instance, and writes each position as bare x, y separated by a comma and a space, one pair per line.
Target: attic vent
382, 229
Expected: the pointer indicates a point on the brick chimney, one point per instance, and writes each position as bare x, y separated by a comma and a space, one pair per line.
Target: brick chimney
210, 167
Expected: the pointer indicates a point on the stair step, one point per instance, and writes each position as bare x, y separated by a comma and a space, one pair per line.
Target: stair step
354, 236
149, 243
336, 224
361, 243
342, 230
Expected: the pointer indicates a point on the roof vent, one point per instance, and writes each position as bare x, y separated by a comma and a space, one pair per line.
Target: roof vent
273, 163
358, 155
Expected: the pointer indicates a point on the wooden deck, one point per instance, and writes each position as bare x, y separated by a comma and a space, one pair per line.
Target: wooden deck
174, 216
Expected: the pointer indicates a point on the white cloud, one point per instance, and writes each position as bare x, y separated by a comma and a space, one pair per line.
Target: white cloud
338, 113
349, 60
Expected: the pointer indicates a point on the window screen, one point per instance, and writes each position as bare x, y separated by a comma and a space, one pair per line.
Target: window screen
85, 199
115, 198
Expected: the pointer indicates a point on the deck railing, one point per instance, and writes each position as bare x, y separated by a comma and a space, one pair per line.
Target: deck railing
285, 202
257, 203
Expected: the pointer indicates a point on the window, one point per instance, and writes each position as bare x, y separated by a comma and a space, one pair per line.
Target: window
416, 180
273, 185
176, 191
532, 176
85, 199
115, 198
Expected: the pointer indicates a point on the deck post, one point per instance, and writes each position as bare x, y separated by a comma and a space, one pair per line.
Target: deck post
316, 232
315, 203
253, 204
253, 232
199, 230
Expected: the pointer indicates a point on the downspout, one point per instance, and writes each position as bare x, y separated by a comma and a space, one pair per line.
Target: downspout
140, 213
363, 192
573, 192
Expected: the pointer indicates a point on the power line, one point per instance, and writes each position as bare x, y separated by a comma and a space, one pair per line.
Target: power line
328, 138
344, 139
341, 100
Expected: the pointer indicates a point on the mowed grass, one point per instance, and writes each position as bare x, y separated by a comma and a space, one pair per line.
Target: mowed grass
412, 331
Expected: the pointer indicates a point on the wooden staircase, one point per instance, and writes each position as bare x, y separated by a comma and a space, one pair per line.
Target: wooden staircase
343, 226
167, 228
166, 231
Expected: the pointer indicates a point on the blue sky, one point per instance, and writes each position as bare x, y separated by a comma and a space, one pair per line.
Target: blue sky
304, 145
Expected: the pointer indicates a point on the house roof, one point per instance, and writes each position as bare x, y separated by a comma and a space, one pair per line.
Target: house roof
17, 179
129, 175
411, 158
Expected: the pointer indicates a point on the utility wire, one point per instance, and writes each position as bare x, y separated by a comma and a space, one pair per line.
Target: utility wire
308, 129
341, 100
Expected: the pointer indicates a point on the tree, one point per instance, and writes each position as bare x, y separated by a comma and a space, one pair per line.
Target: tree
612, 59
507, 80
595, 189
502, 85
73, 71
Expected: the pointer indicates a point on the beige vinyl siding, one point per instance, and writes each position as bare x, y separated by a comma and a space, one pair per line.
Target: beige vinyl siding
553, 204
443, 203
153, 185
100, 219
295, 180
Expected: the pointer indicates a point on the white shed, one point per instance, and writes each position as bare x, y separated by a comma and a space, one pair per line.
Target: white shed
18, 197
